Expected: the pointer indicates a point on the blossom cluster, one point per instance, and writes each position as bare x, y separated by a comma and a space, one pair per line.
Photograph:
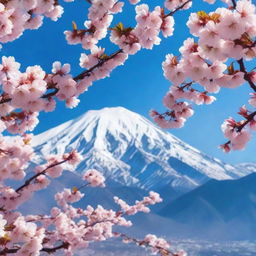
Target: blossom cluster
146, 32
238, 133
67, 228
33, 91
14, 157
174, 4
225, 37
94, 178
100, 16
156, 245
140, 206
19, 15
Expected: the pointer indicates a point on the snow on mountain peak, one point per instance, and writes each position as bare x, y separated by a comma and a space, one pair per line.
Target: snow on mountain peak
131, 150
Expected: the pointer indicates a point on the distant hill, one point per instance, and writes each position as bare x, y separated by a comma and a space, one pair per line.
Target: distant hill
218, 208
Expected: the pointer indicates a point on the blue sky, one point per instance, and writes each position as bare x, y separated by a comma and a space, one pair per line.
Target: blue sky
139, 85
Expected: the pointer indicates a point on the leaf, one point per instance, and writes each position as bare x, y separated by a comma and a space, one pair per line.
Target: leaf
231, 69
103, 56
174, 61
74, 189
120, 26
74, 26
203, 15
215, 17
27, 141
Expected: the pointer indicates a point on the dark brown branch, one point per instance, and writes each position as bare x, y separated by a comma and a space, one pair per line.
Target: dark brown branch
50, 94
248, 120
234, 3
76, 78
79, 188
9, 251
177, 9
162, 251
246, 75
64, 245
5, 100
27, 182
241, 127
99, 64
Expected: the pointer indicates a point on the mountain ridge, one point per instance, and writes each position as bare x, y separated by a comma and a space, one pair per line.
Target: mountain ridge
133, 151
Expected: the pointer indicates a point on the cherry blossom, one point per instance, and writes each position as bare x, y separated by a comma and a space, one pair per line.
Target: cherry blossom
215, 55
226, 39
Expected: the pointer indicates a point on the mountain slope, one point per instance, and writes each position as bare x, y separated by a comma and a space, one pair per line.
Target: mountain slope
217, 207
132, 151
247, 167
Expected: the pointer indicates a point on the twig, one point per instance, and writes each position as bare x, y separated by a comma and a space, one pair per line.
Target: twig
64, 245
177, 9
27, 182
246, 75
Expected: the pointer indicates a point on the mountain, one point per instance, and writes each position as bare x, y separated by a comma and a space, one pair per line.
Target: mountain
132, 151
222, 209
247, 167
203, 196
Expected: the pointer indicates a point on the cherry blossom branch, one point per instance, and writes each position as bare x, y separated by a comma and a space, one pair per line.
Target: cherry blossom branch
177, 9
76, 78
28, 181
249, 119
99, 64
246, 75
50, 94
75, 189
239, 128
161, 250
64, 245
234, 3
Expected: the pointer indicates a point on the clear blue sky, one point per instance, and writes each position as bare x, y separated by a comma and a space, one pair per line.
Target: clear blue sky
139, 85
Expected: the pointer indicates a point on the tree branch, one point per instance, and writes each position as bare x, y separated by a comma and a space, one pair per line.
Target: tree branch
241, 127
50, 94
27, 182
99, 64
162, 251
76, 78
177, 9
234, 3
246, 75
248, 120
64, 245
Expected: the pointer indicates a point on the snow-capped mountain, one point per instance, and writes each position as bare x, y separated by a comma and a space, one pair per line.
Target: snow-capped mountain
247, 167
130, 150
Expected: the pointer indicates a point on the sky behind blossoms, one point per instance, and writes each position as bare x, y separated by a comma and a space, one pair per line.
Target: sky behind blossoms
139, 85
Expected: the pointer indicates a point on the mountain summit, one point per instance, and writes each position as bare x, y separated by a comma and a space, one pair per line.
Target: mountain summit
132, 151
